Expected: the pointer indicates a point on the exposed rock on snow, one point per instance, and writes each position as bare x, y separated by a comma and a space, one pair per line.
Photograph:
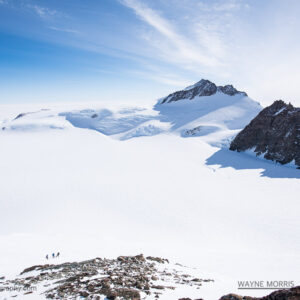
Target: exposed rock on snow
127, 277
200, 131
274, 132
202, 88
19, 116
288, 294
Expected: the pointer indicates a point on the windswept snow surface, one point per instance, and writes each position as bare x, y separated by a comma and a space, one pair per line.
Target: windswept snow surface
116, 191
225, 114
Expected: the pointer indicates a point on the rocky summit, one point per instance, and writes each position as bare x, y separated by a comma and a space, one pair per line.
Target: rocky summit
273, 133
202, 88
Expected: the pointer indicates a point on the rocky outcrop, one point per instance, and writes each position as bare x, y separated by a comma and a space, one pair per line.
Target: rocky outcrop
35, 268
273, 133
202, 88
288, 294
127, 277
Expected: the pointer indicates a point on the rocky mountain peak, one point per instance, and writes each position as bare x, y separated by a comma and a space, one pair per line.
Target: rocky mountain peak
229, 90
203, 84
202, 88
274, 132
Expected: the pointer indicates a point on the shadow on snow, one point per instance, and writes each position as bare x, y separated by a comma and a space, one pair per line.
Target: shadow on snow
242, 161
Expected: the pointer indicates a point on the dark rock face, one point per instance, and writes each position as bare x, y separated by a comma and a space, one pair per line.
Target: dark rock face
237, 297
202, 88
288, 294
274, 132
229, 90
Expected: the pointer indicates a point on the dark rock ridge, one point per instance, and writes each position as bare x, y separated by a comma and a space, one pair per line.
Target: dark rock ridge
274, 132
20, 116
288, 294
202, 88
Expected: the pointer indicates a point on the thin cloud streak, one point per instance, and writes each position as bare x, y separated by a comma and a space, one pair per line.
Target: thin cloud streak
180, 49
64, 30
43, 12
162, 77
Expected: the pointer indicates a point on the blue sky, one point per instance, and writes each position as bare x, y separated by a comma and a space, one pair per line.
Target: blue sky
140, 50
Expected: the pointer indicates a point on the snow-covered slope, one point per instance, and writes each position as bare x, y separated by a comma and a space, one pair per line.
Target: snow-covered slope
101, 192
216, 115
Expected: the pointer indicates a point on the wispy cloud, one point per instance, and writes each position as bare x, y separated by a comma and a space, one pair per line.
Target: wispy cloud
228, 6
43, 12
67, 30
249, 43
173, 46
161, 77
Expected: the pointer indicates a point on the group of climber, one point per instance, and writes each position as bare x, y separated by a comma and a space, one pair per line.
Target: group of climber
53, 255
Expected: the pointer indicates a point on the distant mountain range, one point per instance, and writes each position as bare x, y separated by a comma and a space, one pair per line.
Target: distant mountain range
221, 115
